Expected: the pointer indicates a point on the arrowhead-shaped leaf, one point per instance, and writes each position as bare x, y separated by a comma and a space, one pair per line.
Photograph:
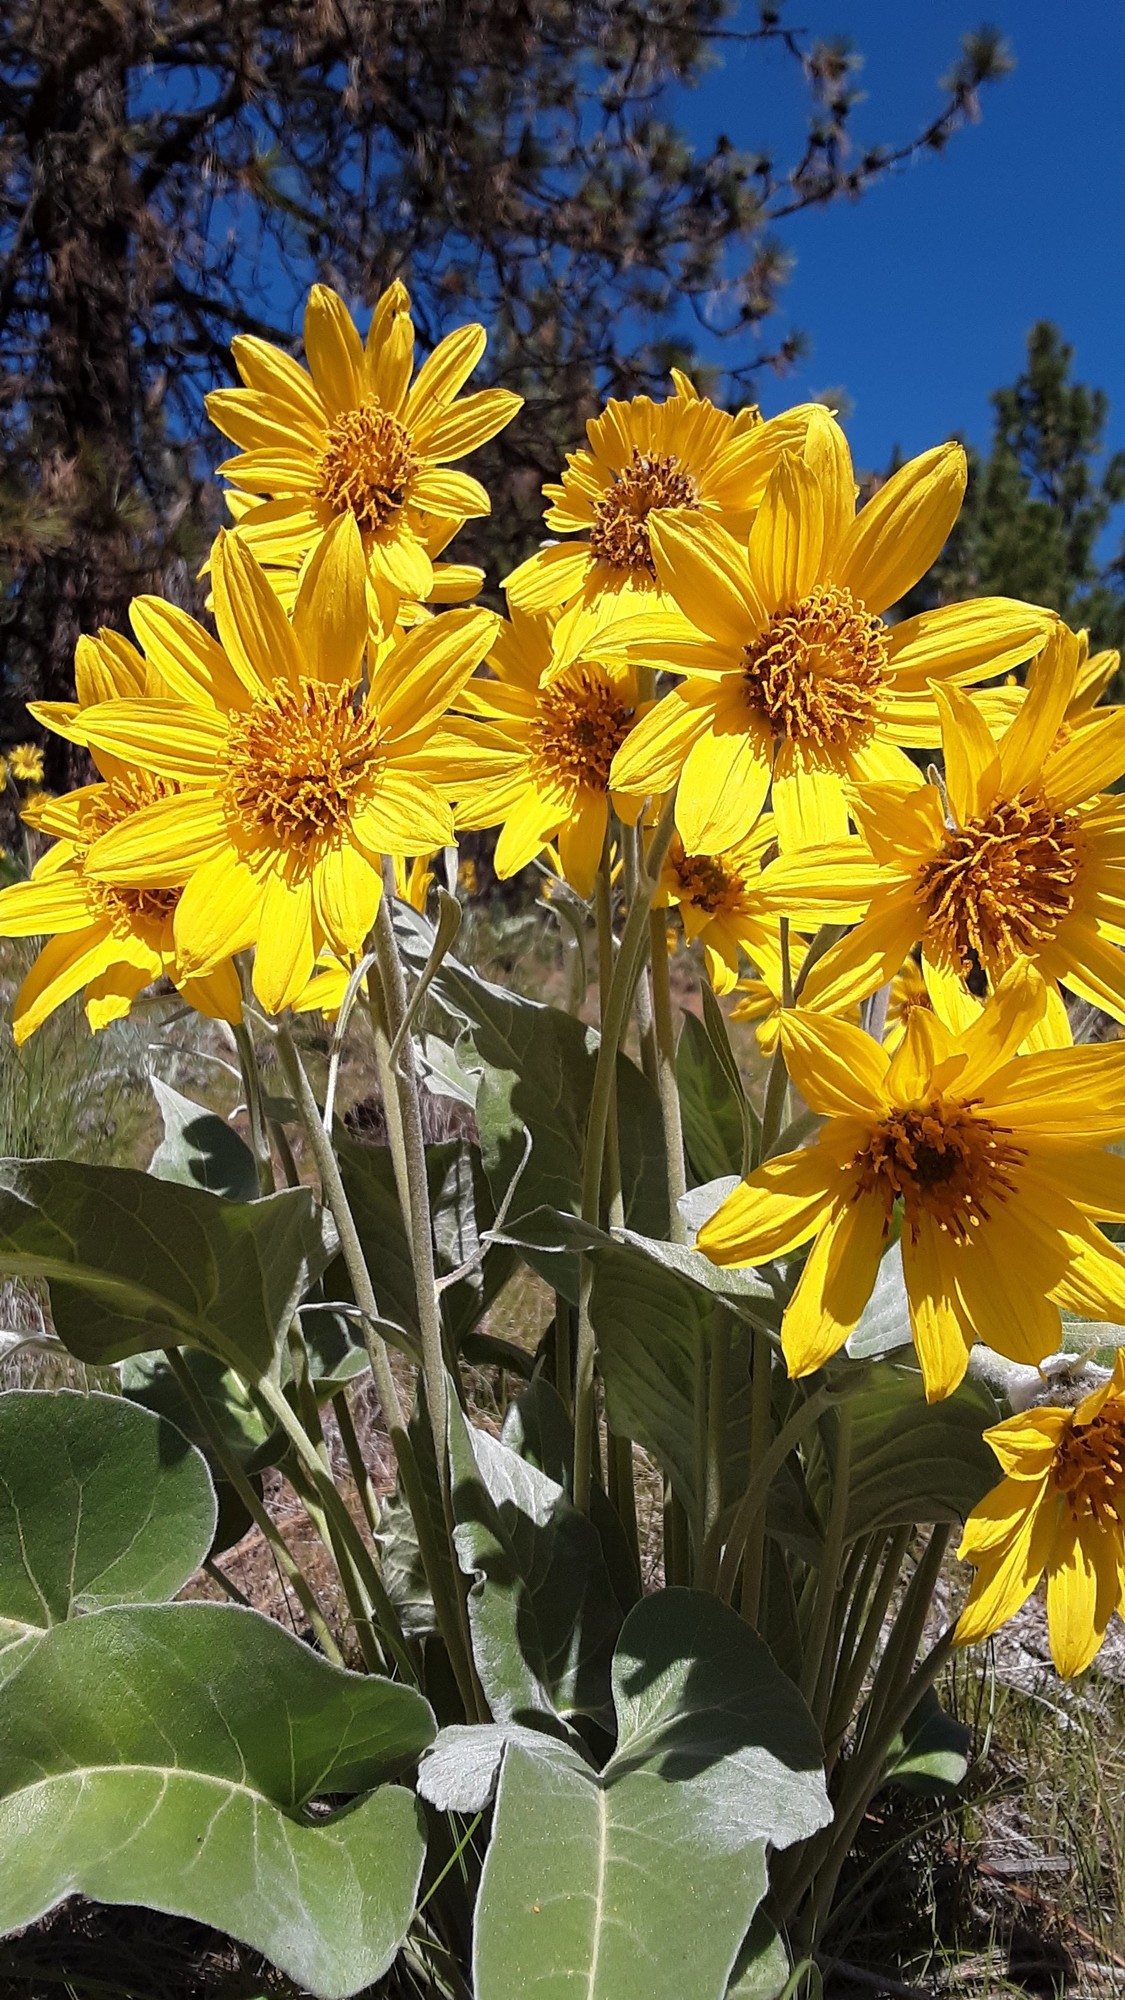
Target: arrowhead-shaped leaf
641, 1884
100, 1503
167, 1756
542, 1609
135, 1263
200, 1149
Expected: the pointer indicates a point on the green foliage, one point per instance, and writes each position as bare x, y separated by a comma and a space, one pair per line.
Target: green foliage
200, 1150
169, 1754
130, 1258
126, 1516
641, 1882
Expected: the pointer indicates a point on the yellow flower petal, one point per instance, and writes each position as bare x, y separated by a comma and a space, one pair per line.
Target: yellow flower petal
446, 371
169, 737
778, 1208
469, 423
808, 797
273, 373
455, 494
330, 613
985, 634
834, 1286
1009, 1573
422, 674
552, 576
334, 350
64, 966
405, 816
787, 538
162, 845
839, 1071
1005, 1021
262, 423
1091, 758
195, 668
284, 953
902, 530
346, 892
868, 957
40, 907
972, 758
581, 840
1079, 1599
703, 568
217, 915
1025, 1444
256, 635
216, 994
654, 752
941, 1339
388, 358
1025, 744
723, 787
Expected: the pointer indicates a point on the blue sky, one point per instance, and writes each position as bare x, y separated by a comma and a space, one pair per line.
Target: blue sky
918, 298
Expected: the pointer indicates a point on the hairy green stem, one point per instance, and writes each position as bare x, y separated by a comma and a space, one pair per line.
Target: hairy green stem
856, 1654
828, 1575
670, 1115
357, 1464
710, 1476
761, 1428
252, 1084
341, 1524
255, 1507
618, 1002
351, 1249
416, 1217
758, 1485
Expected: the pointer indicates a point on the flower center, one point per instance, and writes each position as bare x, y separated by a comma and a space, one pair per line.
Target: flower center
300, 764
367, 465
619, 535
126, 908
1000, 885
943, 1160
818, 669
580, 725
704, 880
1089, 1466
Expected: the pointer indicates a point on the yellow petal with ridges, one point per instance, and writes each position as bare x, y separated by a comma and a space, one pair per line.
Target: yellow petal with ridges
903, 528
972, 758
1009, 1573
185, 655
330, 612
941, 1340
272, 372
64, 966
1079, 1603
840, 1071
1027, 741
467, 424
346, 891
787, 538
708, 574
46, 905
778, 1208
162, 845
834, 1286
333, 350
284, 951
447, 370
808, 799
217, 915
723, 786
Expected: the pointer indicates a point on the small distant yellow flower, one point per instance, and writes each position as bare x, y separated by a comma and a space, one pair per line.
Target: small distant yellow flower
998, 1160
1059, 1512
312, 771
793, 679
25, 762
645, 458
354, 435
537, 747
1029, 861
717, 898
468, 876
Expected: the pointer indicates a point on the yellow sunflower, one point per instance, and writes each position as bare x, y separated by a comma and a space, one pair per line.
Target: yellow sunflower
308, 777
644, 458
355, 436
1028, 861
106, 942
999, 1162
1059, 1511
717, 898
539, 739
791, 671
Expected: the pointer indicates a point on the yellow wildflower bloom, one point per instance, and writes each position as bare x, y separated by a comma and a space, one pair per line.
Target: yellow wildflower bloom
453, 583
717, 898
791, 672
999, 1162
310, 777
25, 762
354, 436
1059, 1511
537, 747
1028, 863
644, 458
106, 941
